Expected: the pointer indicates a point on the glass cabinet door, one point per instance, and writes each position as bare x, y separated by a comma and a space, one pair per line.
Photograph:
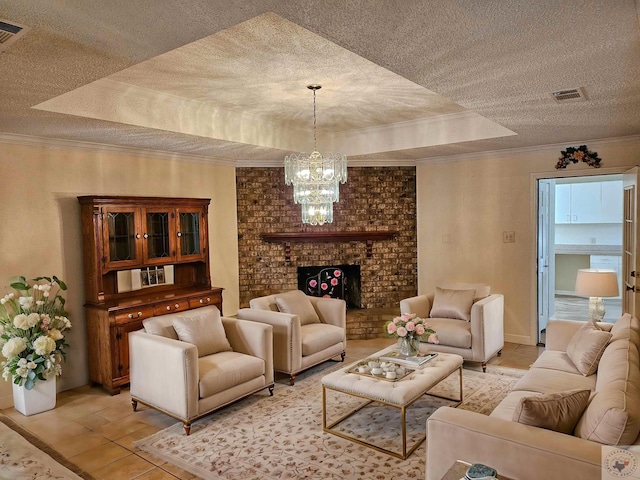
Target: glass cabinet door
159, 244
122, 245
190, 234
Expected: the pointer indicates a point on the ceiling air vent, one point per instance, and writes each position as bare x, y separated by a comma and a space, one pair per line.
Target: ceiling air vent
10, 32
569, 95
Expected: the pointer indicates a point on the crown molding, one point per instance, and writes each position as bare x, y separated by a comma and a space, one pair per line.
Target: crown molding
359, 162
45, 142
509, 152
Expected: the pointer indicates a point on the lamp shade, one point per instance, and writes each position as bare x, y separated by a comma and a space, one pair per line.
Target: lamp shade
596, 283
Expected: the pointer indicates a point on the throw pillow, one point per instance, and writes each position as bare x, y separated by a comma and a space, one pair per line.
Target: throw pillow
449, 303
297, 303
587, 346
559, 411
204, 331
482, 290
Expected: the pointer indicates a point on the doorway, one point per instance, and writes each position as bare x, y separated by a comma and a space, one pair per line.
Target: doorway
579, 226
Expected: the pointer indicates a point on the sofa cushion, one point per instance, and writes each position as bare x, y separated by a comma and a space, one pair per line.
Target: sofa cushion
587, 346
544, 380
224, 370
611, 374
453, 333
559, 411
612, 417
162, 326
508, 404
556, 360
205, 331
318, 336
452, 304
296, 302
626, 328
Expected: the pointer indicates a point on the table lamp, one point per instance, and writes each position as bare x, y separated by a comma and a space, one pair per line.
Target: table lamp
596, 284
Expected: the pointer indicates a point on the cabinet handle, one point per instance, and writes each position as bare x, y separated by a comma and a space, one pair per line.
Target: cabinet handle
177, 305
208, 299
169, 307
575, 217
139, 314
179, 234
568, 218
146, 235
130, 315
137, 235
202, 300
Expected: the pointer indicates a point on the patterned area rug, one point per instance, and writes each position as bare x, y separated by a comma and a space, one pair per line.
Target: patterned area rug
281, 437
24, 456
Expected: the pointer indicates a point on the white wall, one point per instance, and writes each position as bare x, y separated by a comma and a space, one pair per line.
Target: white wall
472, 200
40, 221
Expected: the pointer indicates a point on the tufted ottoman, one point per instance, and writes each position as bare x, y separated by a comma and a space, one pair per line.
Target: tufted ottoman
398, 394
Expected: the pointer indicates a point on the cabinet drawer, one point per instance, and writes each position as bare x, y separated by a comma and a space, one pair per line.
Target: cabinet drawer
170, 307
128, 316
204, 300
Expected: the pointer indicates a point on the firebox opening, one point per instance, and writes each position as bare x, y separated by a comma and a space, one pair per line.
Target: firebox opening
335, 281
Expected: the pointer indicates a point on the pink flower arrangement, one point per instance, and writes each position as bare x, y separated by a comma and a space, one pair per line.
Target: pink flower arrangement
410, 325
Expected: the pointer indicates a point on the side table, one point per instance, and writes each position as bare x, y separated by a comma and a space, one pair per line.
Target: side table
458, 469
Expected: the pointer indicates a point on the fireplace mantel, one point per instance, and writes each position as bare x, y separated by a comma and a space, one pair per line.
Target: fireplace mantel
317, 237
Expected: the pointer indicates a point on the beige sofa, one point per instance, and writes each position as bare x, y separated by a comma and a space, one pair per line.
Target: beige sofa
477, 339
527, 452
190, 377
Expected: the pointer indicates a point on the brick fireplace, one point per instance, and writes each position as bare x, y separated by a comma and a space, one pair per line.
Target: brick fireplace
374, 199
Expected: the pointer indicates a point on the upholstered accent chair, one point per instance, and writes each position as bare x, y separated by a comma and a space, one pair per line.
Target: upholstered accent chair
467, 318
306, 330
189, 364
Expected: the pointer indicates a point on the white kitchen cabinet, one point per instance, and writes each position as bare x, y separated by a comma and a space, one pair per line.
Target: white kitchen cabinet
592, 202
586, 199
611, 208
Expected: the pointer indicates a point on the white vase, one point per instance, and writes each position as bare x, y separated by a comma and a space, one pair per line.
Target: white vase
40, 398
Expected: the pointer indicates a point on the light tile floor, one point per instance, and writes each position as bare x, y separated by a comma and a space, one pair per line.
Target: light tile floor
96, 431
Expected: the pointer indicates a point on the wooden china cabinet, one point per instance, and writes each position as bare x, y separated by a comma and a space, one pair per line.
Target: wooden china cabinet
143, 257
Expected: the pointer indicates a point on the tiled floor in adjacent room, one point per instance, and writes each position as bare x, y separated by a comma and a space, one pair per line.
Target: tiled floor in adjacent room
96, 431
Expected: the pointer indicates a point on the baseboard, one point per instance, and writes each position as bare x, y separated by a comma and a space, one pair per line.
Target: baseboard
521, 339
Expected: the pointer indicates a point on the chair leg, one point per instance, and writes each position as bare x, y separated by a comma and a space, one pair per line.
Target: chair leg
342, 355
187, 428
134, 404
292, 380
271, 390
484, 367
499, 353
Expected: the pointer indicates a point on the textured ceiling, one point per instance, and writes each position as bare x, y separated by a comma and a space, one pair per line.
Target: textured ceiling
402, 81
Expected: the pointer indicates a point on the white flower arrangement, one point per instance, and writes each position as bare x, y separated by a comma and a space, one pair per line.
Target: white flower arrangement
32, 327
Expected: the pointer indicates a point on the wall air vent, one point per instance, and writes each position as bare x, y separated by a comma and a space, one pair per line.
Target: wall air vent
569, 95
10, 32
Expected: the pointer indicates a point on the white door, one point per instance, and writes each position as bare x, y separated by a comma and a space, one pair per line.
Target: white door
630, 258
546, 274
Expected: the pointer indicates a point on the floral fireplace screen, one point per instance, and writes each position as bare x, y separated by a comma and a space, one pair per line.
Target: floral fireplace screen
335, 281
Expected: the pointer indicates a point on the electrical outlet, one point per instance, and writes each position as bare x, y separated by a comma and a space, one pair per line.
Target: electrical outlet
508, 237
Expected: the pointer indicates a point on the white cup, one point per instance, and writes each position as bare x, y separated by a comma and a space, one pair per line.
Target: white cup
376, 371
391, 375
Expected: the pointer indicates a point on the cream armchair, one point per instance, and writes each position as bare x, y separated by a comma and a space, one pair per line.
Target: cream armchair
306, 330
174, 376
478, 336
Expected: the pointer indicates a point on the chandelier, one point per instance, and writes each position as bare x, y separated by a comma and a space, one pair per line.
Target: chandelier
316, 178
